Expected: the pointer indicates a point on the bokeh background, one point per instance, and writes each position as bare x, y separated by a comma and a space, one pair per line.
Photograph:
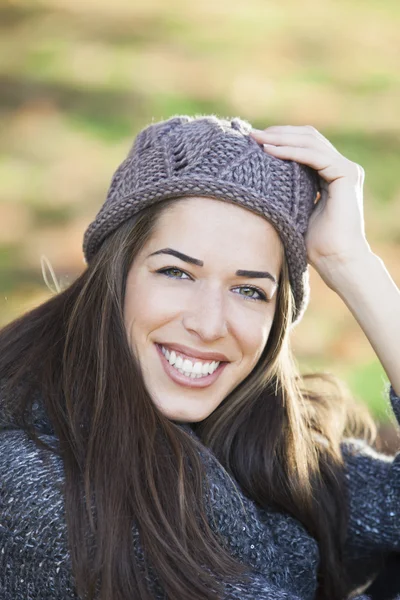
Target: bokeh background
78, 80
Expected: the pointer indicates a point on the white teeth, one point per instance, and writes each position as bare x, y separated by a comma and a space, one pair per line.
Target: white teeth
187, 365
204, 368
212, 367
197, 368
191, 369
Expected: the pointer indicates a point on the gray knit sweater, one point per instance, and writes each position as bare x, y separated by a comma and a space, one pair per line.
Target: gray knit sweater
282, 557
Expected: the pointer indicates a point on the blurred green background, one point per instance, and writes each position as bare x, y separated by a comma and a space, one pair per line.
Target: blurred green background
78, 80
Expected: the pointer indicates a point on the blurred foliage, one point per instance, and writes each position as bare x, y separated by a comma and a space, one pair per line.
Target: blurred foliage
78, 80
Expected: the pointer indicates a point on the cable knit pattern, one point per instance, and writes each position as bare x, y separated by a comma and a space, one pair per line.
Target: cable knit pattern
209, 156
281, 556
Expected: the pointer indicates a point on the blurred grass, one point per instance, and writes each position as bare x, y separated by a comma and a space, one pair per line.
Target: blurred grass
79, 80
366, 381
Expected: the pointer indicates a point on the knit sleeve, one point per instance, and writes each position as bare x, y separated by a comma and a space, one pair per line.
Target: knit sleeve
373, 486
34, 560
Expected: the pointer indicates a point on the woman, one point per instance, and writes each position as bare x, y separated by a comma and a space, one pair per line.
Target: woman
157, 438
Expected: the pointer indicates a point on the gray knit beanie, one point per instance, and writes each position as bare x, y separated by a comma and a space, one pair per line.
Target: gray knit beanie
216, 157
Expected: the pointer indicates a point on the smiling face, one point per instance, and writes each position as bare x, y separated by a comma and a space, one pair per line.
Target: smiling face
189, 295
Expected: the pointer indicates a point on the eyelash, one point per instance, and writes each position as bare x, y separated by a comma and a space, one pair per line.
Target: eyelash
250, 287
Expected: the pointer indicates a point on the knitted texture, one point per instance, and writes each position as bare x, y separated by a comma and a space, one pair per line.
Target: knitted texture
281, 556
214, 157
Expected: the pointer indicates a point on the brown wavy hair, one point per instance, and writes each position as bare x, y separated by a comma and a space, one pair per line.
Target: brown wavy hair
128, 467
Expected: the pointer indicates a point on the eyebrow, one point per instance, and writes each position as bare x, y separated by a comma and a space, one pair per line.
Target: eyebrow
200, 263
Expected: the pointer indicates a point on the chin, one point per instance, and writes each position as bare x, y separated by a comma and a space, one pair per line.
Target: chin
182, 415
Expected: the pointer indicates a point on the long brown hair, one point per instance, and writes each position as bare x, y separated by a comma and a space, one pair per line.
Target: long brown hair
127, 465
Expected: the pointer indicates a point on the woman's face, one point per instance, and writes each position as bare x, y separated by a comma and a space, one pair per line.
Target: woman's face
195, 321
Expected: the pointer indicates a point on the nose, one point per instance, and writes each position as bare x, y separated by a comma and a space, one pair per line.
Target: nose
207, 314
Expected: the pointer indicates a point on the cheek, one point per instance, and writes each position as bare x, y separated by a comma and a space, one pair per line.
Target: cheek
253, 333
146, 307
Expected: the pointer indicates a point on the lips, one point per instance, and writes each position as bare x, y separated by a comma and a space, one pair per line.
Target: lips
191, 353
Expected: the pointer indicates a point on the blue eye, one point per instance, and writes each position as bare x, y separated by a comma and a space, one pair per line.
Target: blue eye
260, 293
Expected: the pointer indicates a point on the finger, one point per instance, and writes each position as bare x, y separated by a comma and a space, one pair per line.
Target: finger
328, 168
300, 140
308, 156
296, 129
291, 128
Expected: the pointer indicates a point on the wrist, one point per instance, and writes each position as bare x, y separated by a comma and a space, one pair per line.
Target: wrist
347, 274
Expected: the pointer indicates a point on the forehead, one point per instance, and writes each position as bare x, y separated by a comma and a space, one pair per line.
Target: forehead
212, 214
209, 225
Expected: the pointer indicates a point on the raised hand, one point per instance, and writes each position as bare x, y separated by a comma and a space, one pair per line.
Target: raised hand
335, 232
